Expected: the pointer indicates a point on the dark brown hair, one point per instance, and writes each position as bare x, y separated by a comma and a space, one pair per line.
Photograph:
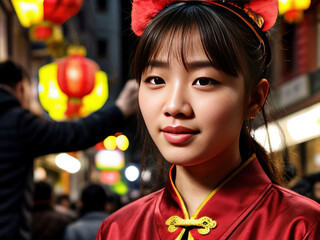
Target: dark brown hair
230, 45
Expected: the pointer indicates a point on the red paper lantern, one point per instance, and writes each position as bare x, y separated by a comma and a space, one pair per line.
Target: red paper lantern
58, 11
42, 33
76, 78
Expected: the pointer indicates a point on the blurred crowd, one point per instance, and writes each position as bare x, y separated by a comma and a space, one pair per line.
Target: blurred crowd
309, 186
55, 217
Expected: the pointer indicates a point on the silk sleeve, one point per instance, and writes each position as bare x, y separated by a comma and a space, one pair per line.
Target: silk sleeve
314, 232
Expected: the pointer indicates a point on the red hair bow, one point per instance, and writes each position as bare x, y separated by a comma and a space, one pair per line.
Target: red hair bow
144, 10
267, 9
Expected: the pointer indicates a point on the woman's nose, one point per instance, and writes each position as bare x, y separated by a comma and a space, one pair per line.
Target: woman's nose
177, 103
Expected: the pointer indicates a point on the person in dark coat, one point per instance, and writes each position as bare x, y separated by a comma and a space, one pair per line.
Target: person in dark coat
47, 223
24, 136
92, 213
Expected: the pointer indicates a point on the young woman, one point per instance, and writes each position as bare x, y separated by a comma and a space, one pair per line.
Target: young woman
201, 66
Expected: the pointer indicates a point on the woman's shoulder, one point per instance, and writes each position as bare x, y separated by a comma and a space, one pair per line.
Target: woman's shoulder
298, 198
295, 204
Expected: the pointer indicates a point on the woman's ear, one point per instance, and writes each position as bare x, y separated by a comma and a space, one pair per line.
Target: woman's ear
258, 98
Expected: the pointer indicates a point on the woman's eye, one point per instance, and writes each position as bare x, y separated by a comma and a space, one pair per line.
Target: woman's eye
205, 82
155, 80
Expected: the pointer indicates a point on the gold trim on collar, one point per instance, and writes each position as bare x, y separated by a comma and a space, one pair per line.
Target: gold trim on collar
228, 179
205, 224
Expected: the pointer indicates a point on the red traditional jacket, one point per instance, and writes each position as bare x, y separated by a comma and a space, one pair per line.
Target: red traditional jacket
245, 206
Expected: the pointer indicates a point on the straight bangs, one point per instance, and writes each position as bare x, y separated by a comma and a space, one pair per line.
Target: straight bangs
184, 21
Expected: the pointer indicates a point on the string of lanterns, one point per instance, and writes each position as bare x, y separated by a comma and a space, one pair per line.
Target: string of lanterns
44, 19
31, 12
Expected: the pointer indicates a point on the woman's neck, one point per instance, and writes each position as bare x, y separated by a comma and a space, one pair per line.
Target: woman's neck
195, 183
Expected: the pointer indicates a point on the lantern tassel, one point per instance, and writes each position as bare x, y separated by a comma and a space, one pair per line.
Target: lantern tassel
73, 107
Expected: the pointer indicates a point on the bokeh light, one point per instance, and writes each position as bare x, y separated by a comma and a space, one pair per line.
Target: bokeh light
109, 160
110, 143
132, 173
68, 163
120, 188
122, 142
109, 177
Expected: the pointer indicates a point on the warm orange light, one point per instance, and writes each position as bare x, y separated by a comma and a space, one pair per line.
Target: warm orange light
109, 177
293, 9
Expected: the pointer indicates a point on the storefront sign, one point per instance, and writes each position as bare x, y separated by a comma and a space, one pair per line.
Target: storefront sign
294, 91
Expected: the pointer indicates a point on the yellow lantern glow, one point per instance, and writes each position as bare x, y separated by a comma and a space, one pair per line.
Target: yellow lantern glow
287, 5
29, 12
76, 49
302, 4
284, 6
293, 9
52, 99
98, 97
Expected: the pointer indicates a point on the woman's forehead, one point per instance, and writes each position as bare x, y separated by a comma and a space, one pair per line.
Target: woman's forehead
185, 47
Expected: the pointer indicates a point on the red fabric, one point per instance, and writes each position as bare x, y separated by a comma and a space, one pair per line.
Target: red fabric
248, 207
144, 10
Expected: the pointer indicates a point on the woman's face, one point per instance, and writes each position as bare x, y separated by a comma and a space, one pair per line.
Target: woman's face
193, 115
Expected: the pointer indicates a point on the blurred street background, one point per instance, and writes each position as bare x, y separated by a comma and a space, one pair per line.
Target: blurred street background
97, 34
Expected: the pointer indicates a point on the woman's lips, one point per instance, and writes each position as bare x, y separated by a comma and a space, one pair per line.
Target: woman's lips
178, 134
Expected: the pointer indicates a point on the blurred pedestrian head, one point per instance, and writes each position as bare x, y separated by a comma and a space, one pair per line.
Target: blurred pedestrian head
316, 191
93, 198
64, 201
43, 194
16, 78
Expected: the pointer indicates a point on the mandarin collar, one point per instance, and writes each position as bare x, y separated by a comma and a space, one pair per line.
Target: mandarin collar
226, 206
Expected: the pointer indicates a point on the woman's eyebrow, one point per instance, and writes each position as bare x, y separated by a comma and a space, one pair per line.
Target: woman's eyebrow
158, 64
192, 65
199, 64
